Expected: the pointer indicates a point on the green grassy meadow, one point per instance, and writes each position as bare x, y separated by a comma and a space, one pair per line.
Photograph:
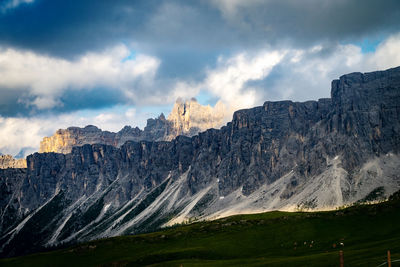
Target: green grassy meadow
268, 239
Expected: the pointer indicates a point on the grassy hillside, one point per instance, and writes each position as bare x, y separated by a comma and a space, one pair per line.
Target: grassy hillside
273, 238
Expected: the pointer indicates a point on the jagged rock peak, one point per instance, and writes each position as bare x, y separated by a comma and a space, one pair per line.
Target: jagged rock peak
64, 139
189, 117
186, 118
7, 161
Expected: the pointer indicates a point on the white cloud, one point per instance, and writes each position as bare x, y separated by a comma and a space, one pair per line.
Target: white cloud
295, 74
387, 54
17, 133
14, 3
309, 76
228, 80
45, 78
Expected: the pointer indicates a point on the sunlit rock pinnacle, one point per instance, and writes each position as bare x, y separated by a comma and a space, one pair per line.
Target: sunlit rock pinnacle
186, 118
7, 161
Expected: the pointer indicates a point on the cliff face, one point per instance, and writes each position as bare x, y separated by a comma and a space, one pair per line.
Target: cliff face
282, 155
7, 161
189, 118
64, 139
186, 118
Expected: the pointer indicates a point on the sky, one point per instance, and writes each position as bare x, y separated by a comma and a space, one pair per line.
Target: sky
116, 63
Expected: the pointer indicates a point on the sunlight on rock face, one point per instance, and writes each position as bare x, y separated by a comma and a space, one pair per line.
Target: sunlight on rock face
186, 118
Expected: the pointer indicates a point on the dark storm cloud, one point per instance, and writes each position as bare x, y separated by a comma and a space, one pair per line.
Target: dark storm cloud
66, 28
315, 20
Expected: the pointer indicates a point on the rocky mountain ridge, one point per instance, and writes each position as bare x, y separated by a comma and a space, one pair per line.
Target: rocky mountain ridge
283, 155
8, 161
186, 118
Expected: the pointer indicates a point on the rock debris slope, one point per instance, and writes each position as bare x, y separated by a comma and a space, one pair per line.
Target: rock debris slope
282, 155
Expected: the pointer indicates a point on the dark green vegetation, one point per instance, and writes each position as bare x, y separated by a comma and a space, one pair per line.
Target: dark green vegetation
363, 232
376, 194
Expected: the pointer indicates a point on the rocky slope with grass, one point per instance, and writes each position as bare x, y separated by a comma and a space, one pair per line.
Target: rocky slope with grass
283, 155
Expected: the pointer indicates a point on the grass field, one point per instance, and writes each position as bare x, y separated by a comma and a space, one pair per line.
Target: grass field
268, 239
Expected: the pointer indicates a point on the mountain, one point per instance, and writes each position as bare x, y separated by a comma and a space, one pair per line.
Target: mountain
283, 155
189, 118
7, 161
186, 118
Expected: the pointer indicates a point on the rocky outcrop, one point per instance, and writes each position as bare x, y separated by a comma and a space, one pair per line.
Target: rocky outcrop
64, 139
11, 180
189, 118
186, 118
7, 161
282, 155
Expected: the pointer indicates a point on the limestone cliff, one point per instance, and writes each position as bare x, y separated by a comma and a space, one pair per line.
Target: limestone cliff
64, 139
7, 161
189, 118
186, 118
